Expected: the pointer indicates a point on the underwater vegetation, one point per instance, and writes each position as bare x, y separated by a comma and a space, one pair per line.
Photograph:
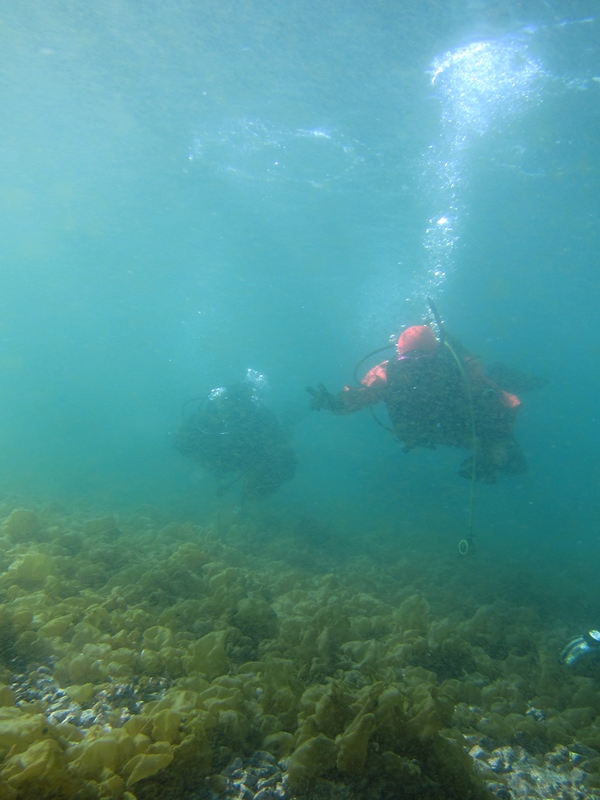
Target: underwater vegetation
139, 658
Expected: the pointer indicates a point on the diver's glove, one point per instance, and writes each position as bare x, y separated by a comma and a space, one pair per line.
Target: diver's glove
321, 398
580, 646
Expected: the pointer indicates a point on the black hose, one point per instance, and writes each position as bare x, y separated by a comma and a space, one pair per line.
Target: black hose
438, 320
362, 361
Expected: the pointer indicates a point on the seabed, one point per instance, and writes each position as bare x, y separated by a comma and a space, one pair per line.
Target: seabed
264, 659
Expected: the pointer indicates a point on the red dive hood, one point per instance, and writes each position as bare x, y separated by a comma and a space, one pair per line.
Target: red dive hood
419, 337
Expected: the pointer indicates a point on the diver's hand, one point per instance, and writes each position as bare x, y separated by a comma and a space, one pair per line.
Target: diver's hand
321, 398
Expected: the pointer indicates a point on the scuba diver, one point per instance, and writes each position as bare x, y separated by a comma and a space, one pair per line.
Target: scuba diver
232, 432
436, 393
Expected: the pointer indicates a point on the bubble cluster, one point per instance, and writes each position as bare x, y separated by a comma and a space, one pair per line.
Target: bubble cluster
480, 87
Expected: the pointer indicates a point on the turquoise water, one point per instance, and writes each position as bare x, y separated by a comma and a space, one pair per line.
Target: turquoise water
190, 189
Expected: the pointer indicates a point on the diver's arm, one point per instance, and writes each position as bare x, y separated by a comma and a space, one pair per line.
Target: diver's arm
351, 398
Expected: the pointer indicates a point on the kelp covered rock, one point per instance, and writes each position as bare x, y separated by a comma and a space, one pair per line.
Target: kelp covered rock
22, 524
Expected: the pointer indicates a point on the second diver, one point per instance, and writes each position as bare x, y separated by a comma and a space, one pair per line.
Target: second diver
232, 432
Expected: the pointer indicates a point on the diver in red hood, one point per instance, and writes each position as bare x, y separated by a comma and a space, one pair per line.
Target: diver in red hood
436, 393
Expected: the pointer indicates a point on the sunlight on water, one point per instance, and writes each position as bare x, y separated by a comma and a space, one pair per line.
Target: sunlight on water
483, 81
